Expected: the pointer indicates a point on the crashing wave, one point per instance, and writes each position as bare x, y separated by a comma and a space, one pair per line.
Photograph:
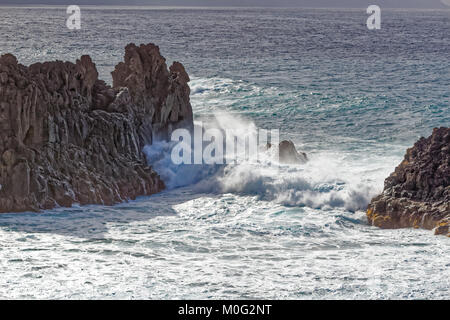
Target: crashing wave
326, 181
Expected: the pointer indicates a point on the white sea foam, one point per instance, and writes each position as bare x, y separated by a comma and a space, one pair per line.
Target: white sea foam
328, 180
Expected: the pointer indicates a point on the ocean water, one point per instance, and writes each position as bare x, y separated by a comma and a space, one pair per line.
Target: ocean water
351, 98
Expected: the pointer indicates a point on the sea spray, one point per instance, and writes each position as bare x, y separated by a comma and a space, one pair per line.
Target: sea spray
327, 181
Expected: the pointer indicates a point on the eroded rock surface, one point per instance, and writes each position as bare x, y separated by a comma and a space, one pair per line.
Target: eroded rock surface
417, 193
68, 137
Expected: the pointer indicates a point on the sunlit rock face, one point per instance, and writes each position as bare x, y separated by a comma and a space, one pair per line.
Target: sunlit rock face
68, 137
417, 193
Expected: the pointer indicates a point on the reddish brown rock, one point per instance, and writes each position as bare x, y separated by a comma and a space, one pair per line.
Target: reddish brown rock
417, 193
67, 137
288, 154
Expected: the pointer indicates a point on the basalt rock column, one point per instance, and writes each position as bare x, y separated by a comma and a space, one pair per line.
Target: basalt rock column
66, 136
161, 95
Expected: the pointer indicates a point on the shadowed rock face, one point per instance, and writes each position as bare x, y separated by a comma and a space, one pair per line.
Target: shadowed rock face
68, 137
417, 193
161, 95
289, 155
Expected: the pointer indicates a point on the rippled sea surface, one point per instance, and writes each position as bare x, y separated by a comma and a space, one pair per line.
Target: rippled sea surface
353, 99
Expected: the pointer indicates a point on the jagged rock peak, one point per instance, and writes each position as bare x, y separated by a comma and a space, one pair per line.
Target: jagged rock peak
288, 154
160, 92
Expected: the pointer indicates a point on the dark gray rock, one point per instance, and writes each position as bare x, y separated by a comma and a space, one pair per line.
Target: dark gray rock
289, 155
66, 136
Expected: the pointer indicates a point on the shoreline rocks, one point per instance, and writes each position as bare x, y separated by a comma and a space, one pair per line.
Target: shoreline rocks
417, 193
68, 137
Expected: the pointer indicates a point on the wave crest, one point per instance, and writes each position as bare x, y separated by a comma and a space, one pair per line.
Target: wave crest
328, 180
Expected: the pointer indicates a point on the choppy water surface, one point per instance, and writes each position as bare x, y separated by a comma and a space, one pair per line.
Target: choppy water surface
354, 100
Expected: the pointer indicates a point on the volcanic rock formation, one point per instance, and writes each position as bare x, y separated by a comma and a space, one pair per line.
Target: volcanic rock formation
417, 193
67, 137
288, 154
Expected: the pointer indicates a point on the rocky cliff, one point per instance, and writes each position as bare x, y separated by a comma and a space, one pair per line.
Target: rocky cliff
287, 154
417, 193
67, 137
